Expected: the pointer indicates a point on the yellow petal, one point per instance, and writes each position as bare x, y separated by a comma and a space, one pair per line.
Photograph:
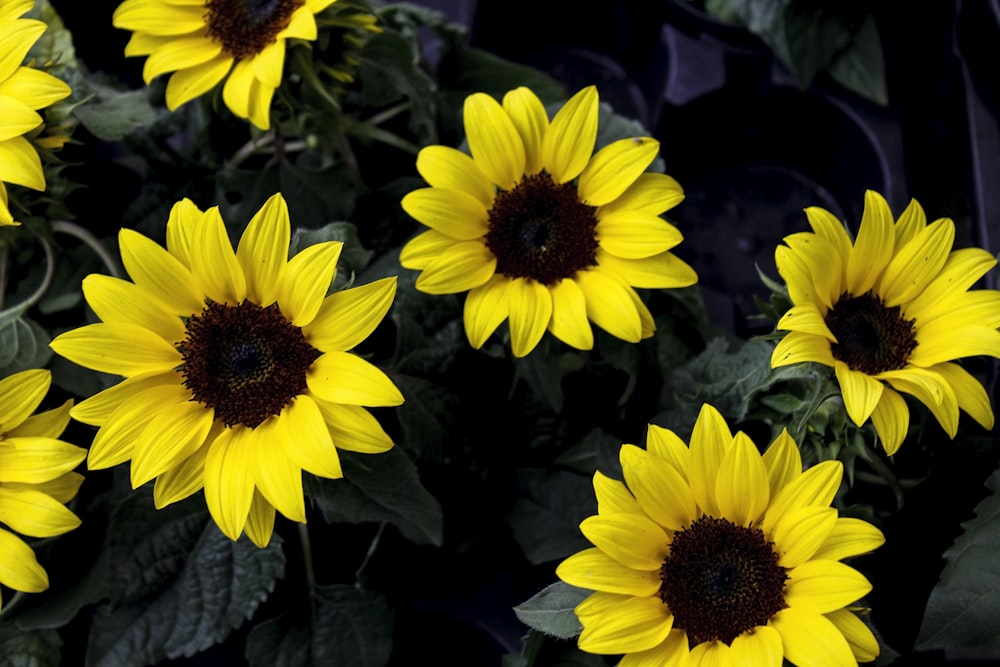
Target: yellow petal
861, 392
824, 585
530, 306
613, 497
214, 262
911, 222
268, 64
263, 250
118, 348
47, 424
671, 652
827, 226
353, 429
930, 389
614, 168
18, 118
741, 487
493, 141
917, 263
635, 235
660, 490
20, 164
454, 213
810, 640
35, 460
117, 300
62, 489
306, 280
276, 476
185, 478
485, 308
19, 569
609, 305
710, 439
159, 273
891, 418
961, 270
760, 646
569, 321
342, 377
174, 434
34, 513
528, 115
260, 521
651, 193
193, 82
634, 624
806, 319
873, 247
593, 569
569, 142
163, 19
447, 168
424, 248
660, 271
817, 261
308, 441
238, 89
229, 483
801, 532
941, 341
98, 408
863, 644
797, 348
631, 539
816, 486
181, 52
463, 266
116, 440
666, 444
849, 537
349, 316
971, 395
20, 394
783, 462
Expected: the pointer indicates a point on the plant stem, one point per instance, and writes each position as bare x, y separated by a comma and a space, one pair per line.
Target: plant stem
75, 230
359, 574
307, 560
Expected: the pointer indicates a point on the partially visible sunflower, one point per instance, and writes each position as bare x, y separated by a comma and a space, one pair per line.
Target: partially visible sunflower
24, 90
36, 477
890, 312
539, 229
203, 42
238, 375
714, 555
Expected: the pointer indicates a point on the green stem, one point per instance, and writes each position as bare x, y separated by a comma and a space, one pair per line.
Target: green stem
250, 147
803, 424
50, 269
9, 607
75, 230
367, 131
4, 254
359, 574
307, 559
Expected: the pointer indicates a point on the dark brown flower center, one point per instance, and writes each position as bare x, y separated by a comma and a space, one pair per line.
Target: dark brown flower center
246, 27
246, 362
542, 231
721, 580
871, 337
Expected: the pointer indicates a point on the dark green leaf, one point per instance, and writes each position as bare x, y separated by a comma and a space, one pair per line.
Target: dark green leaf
818, 32
861, 68
598, 450
23, 648
389, 72
23, 345
482, 71
113, 114
279, 643
550, 611
546, 516
963, 607
382, 487
427, 416
353, 256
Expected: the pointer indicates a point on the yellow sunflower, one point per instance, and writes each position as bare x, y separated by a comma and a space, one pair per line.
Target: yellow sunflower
36, 476
890, 312
237, 368
541, 230
23, 91
714, 555
204, 42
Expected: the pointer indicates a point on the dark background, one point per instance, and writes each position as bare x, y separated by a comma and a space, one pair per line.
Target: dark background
752, 149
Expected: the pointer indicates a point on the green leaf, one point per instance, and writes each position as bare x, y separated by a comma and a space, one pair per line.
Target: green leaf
544, 369
21, 648
180, 586
817, 33
861, 68
23, 345
550, 611
546, 516
353, 256
381, 487
113, 114
389, 72
349, 627
597, 450
427, 417
963, 607
481, 71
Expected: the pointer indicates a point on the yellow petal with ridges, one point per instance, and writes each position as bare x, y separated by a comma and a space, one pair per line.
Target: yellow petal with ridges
977, 307
710, 440
116, 300
259, 111
819, 259
213, 261
98, 408
593, 569
159, 273
634, 624
667, 445
816, 486
342, 377
929, 388
569, 321
18, 117
35, 514
447, 168
610, 306
660, 271
16, 39
62, 489
650, 193
193, 82
961, 270
452, 212
260, 521
20, 164
569, 142
276, 476
863, 644
631, 539
530, 119
47, 424
782, 461
806, 318
941, 341
493, 141
463, 266
810, 640
861, 392
303, 285
801, 532
178, 53
824, 586
238, 88
911, 221
849, 537
19, 569
891, 418
307, 424
873, 247
424, 248
613, 497
971, 395
711, 653
353, 429
797, 348
660, 490
347, 317
158, 18
917, 263
20, 394
187, 477
229, 483
671, 652
530, 307
184, 219
175, 433
268, 64
117, 348
303, 22
759, 647
797, 275
263, 250
614, 168
116, 440
35, 459
485, 309
635, 235
741, 486
646, 322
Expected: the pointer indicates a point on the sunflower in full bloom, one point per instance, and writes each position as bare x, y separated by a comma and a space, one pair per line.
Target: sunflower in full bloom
203, 42
539, 229
714, 554
237, 365
891, 312
36, 477
24, 91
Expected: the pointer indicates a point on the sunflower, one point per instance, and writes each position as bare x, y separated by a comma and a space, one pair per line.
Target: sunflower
238, 375
540, 229
205, 42
714, 554
36, 476
24, 90
890, 312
